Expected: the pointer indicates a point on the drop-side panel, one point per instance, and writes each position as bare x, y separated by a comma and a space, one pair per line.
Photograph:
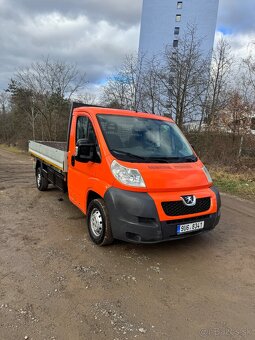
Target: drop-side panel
52, 153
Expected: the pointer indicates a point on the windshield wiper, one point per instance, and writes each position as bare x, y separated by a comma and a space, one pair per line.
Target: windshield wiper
190, 158
147, 159
156, 159
181, 159
124, 153
174, 159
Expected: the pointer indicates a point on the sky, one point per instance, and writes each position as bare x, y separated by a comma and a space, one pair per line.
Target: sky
94, 34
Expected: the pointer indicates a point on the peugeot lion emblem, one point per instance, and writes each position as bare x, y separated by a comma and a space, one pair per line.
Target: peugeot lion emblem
189, 201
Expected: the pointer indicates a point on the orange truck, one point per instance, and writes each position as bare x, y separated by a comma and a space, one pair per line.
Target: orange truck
134, 175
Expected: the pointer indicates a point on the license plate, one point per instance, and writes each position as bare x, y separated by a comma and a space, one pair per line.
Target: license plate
188, 228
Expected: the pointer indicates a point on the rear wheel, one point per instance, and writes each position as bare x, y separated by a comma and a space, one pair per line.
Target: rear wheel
99, 224
41, 182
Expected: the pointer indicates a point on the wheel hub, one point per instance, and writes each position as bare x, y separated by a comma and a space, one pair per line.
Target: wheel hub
39, 178
96, 222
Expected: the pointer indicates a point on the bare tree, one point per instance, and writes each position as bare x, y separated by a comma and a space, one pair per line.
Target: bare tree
250, 67
248, 81
114, 92
124, 88
50, 76
4, 110
86, 98
236, 116
170, 84
151, 98
50, 84
184, 77
218, 87
4, 101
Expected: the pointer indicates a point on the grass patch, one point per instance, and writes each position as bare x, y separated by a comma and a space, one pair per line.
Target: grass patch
238, 184
11, 148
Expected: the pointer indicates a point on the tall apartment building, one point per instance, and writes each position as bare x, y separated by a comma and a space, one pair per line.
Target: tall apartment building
165, 21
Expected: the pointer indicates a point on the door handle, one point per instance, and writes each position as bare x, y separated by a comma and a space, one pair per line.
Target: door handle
73, 160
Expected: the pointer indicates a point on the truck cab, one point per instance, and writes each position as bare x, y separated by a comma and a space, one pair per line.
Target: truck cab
134, 176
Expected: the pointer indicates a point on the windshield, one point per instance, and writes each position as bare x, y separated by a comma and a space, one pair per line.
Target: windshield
135, 139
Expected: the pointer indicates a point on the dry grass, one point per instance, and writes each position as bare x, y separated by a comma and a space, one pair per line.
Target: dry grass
11, 148
241, 183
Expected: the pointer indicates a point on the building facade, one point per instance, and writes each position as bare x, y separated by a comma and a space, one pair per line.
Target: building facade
165, 21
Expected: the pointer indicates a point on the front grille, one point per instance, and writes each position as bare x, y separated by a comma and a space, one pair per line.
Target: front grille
178, 208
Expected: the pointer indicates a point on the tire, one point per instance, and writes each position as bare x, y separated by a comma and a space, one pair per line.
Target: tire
41, 182
99, 224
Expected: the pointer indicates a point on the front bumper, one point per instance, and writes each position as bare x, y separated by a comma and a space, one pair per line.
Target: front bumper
134, 218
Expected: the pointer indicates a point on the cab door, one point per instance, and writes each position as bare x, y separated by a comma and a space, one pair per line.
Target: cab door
80, 174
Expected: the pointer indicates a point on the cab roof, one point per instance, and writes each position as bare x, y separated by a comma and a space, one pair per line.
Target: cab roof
94, 110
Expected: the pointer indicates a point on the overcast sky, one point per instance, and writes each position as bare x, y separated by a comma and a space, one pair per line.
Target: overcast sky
95, 34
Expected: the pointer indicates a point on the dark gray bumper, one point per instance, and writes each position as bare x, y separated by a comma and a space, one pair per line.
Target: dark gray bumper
134, 218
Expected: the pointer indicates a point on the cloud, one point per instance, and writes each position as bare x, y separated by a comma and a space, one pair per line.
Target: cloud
237, 16
124, 12
95, 37
242, 44
236, 24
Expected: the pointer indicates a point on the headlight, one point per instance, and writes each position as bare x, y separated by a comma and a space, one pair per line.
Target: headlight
127, 176
207, 174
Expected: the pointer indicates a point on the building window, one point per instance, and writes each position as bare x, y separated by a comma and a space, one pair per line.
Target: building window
179, 4
176, 30
178, 17
175, 43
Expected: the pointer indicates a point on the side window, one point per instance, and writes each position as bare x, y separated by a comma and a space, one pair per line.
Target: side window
85, 130
82, 128
91, 133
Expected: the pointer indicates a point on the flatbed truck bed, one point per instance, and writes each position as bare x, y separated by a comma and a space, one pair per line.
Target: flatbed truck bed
52, 153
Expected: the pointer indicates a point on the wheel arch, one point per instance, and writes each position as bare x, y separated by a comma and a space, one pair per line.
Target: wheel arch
41, 168
95, 189
39, 164
91, 195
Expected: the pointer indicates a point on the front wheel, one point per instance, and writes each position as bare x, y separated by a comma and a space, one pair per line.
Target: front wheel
41, 182
99, 224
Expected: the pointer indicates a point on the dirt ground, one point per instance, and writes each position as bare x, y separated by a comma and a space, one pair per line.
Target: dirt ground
55, 284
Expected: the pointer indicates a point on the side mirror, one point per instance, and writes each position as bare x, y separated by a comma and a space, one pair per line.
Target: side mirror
84, 151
